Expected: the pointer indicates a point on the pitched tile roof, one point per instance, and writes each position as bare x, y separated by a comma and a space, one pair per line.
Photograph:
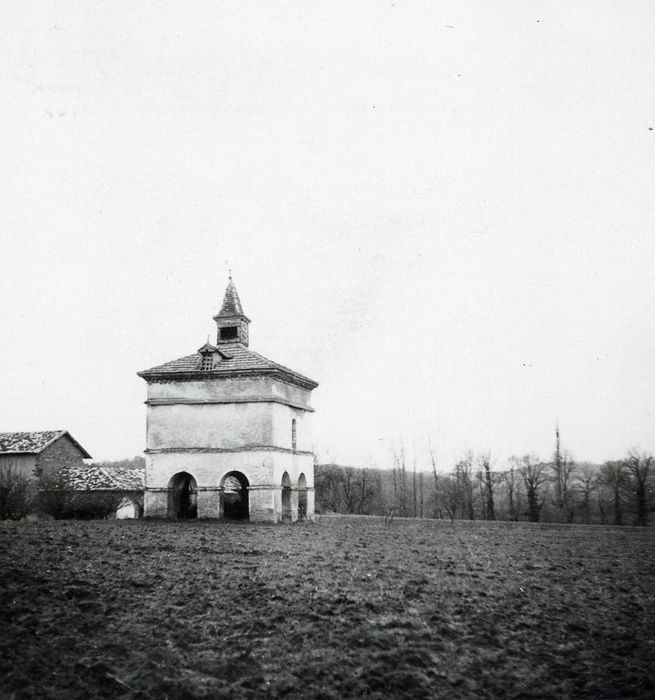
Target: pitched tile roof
34, 442
241, 360
91, 477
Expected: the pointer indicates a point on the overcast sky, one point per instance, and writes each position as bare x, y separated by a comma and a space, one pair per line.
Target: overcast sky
441, 211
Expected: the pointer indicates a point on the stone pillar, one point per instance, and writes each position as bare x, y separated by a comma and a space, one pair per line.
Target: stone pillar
294, 505
310, 504
155, 503
262, 503
209, 502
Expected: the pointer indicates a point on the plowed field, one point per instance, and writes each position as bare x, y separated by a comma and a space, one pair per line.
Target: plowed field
342, 608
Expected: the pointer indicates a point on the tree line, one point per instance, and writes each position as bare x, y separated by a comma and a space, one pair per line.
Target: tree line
620, 492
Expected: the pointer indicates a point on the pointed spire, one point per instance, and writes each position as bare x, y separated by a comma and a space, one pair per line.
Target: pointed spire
231, 302
231, 321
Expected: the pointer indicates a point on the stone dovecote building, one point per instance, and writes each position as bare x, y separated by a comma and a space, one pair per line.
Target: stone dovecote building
228, 432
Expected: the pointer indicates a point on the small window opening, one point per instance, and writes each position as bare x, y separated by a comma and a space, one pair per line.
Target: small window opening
293, 434
229, 333
207, 362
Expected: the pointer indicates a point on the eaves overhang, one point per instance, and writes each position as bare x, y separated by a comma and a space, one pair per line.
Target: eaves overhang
196, 375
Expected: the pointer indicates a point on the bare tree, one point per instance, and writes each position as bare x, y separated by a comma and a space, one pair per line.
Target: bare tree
464, 482
484, 461
403, 480
420, 489
586, 482
638, 466
366, 486
435, 475
563, 469
348, 486
451, 496
414, 485
55, 496
399, 474
15, 493
479, 478
327, 480
533, 474
511, 478
613, 477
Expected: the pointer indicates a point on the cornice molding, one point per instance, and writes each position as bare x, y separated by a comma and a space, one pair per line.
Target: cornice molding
246, 399
224, 450
288, 377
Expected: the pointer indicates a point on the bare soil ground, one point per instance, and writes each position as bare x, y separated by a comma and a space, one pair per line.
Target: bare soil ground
343, 608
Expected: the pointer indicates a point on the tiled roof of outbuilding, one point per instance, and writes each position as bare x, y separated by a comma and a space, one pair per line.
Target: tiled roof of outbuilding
34, 442
241, 360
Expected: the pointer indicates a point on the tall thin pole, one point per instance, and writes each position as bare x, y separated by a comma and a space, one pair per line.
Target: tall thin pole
420, 483
415, 502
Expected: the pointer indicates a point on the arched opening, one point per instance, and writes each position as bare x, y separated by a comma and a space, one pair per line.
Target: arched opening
182, 497
286, 498
234, 496
302, 497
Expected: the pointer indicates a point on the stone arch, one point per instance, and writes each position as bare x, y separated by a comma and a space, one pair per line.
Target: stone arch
182, 497
286, 498
234, 496
302, 497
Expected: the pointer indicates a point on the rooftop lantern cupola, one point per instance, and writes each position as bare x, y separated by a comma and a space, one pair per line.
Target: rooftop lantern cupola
232, 323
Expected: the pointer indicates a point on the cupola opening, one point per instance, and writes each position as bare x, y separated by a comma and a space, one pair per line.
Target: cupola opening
229, 333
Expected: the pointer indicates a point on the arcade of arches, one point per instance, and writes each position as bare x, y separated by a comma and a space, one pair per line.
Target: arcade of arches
234, 502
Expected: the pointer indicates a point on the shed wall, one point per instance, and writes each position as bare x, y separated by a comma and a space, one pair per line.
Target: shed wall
21, 465
63, 452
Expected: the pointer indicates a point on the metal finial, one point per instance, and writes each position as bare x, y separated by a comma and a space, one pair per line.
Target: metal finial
229, 272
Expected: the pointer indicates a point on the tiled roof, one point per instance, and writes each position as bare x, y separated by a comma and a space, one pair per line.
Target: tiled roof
33, 442
241, 360
91, 477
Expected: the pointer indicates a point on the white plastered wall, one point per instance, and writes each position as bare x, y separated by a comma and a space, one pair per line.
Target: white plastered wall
226, 425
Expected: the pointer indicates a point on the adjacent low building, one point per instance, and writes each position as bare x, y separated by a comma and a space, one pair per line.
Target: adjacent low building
55, 461
119, 486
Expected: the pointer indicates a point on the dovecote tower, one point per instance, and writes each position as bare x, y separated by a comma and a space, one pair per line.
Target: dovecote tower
228, 432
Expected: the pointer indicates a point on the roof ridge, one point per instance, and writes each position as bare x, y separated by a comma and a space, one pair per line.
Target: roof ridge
34, 441
60, 433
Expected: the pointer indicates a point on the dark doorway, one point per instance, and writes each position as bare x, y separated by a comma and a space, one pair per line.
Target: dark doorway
183, 497
234, 496
286, 498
